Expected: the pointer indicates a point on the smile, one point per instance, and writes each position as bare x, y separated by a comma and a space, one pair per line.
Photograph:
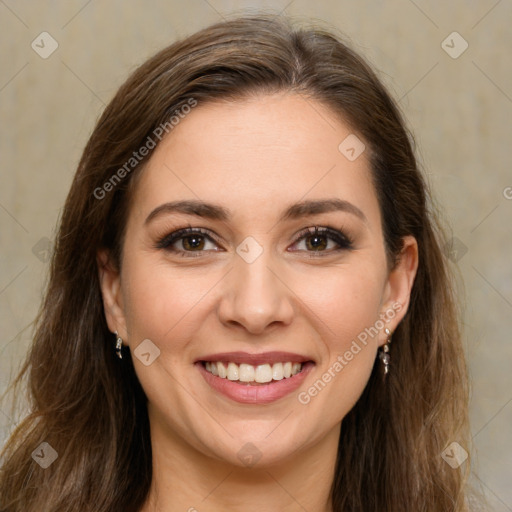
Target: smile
250, 374
254, 378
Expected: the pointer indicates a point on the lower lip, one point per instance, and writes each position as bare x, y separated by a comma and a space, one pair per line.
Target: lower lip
258, 394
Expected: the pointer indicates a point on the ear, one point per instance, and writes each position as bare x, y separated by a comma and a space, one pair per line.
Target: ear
110, 283
397, 290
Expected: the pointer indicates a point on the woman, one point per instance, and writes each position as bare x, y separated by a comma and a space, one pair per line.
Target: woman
248, 307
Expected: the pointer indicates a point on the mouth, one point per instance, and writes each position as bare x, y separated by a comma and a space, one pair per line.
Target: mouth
252, 375
254, 378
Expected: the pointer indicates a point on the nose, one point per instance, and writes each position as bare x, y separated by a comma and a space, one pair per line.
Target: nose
255, 297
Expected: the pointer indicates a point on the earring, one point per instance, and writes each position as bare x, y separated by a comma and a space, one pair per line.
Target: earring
119, 346
384, 352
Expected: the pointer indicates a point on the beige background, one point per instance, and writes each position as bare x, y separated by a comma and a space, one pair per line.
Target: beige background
458, 108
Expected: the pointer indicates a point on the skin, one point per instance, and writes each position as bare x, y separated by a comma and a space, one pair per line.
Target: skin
254, 157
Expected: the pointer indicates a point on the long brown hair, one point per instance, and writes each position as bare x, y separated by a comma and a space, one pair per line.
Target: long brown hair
90, 407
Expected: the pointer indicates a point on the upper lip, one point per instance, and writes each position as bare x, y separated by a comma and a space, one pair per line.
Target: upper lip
256, 359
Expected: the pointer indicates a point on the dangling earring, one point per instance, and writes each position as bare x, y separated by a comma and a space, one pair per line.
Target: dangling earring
384, 352
119, 346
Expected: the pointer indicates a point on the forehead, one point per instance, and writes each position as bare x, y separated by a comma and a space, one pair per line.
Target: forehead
256, 156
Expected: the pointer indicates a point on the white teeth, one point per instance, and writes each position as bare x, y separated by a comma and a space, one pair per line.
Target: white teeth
249, 373
232, 371
246, 373
277, 371
263, 373
221, 369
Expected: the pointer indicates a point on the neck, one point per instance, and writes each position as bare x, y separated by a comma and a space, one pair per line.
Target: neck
185, 479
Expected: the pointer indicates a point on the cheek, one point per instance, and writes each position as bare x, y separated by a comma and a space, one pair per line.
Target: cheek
346, 300
348, 305
159, 303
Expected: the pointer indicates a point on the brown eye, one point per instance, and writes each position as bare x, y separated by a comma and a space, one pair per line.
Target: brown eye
192, 240
317, 240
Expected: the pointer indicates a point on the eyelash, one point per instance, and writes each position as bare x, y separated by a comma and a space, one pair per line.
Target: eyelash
343, 240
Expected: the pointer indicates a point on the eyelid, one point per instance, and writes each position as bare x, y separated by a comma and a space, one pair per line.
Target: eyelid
180, 233
344, 241
340, 237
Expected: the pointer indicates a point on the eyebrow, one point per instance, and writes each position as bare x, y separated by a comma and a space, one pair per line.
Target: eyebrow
216, 212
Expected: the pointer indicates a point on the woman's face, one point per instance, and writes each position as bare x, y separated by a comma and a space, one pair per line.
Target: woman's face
254, 282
